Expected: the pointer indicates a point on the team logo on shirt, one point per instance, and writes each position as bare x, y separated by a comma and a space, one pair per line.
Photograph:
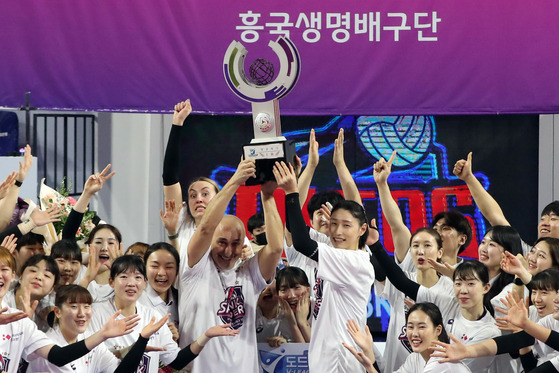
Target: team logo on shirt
143, 367
4, 363
232, 309
403, 338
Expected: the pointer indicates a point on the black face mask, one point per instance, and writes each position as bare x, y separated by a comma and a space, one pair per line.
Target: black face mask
261, 239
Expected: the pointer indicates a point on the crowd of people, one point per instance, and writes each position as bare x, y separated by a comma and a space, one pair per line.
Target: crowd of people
202, 301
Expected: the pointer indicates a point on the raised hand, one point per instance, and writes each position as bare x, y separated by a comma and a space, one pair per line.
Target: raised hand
174, 331
25, 166
153, 326
182, 110
297, 165
450, 352
245, 170
6, 318
9, 242
443, 268
362, 358
463, 168
382, 169
27, 306
374, 234
7, 184
285, 177
517, 313
302, 310
50, 215
338, 158
170, 218
95, 182
115, 328
514, 265
363, 340
114, 253
313, 150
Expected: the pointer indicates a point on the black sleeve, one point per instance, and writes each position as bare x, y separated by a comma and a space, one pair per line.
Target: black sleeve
72, 225
553, 340
61, 356
172, 157
380, 275
13, 230
376, 367
302, 242
394, 273
184, 357
513, 342
528, 361
546, 367
132, 359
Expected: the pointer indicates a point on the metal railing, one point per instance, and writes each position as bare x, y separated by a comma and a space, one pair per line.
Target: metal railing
65, 147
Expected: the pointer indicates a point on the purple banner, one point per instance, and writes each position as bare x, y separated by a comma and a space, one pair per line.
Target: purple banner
357, 57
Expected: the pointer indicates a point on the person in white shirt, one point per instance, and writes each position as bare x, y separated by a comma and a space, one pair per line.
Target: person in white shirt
128, 278
162, 264
22, 339
424, 326
344, 270
73, 312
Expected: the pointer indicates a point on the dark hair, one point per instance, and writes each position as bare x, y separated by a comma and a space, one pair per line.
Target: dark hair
553, 244
291, 277
72, 294
128, 262
553, 207
319, 199
545, 280
163, 246
469, 269
432, 232
29, 239
51, 265
66, 249
97, 228
434, 314
357, 211
510, 240
255, 221
457, 221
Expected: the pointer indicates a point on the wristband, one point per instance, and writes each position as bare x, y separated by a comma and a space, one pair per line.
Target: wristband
26, 226
518, 281
203, 340
18, 183
173, 236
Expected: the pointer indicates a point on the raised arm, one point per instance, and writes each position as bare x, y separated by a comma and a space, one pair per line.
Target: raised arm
270, 255
351, 193
171, 185
202, 238
7, 204
93, 184
486, 203
400, 232
305, 179
286, 179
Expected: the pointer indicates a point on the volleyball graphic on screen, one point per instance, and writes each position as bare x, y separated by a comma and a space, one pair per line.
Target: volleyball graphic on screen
410, 135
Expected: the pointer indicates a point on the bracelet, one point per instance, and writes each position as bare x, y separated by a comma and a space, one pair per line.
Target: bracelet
18, 183
173, 236
202, 340
518, 281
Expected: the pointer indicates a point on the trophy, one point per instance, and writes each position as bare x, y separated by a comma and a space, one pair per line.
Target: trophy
263, 90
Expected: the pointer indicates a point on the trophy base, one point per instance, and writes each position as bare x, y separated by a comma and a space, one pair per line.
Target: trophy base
266, 154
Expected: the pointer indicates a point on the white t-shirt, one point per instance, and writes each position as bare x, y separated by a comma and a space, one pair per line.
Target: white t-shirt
277, 326
543, 351
99, 292
212, 297
398, 348
98, 360
162, 338
415, 364
346, 277
19, 340
470, 332
151, 299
